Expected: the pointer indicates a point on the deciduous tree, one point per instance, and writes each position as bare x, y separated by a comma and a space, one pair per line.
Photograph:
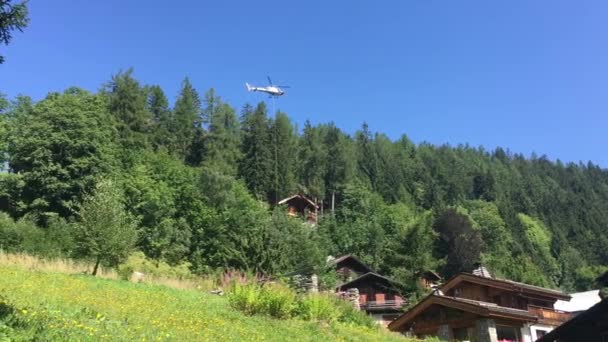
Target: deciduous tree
105, 232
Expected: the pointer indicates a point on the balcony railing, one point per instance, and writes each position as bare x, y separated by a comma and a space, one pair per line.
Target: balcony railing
382, 305
548, 315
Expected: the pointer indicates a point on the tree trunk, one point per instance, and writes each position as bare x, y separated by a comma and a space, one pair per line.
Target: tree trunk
96, 266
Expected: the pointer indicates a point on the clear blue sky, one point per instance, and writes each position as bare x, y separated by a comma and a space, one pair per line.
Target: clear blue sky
525, 75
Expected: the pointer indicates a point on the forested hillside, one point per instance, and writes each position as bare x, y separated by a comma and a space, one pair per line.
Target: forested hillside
197, 183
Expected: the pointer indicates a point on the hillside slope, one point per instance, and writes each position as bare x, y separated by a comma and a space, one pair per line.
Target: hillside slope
202, 184
58, 307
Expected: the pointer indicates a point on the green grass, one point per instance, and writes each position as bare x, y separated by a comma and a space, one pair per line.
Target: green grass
40, 306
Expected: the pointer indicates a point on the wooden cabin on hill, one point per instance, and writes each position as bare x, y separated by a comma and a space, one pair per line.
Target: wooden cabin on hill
429, 279
349, 267
484, 309
379, 296
301, 206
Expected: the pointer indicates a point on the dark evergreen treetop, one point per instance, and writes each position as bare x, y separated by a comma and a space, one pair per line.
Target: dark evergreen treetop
12, 17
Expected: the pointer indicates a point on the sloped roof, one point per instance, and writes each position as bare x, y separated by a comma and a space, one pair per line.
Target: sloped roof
503, 284
480, 308
589, 325
353, 258
580, 301
366, 276
429, 274
298, 197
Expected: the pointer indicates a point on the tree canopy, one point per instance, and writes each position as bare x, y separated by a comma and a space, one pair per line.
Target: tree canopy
202, 186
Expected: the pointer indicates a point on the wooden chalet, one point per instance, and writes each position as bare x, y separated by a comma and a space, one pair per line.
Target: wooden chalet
590, 325
429, 279
378, 295
349, 267
478, 308
302, 206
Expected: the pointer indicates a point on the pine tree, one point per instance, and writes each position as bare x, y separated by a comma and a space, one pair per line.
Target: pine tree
311, 158
283, 142
222, 142
458, 240
187, 125
367, 161
158, 106
256, 166
127, 102
340, 160
12, 17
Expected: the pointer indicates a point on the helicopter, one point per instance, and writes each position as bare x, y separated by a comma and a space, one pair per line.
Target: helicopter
271, 89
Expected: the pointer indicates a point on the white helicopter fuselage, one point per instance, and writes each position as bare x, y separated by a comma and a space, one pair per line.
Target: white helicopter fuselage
271, 90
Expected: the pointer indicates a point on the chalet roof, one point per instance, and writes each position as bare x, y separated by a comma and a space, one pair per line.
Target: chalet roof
480, 308
503, 284
430, 275
580, 301
367, 275
305, 199
345, 258
589, 325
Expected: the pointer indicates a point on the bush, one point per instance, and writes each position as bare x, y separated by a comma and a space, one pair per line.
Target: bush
349, 315
279, 301
274, 300
25, 236
318, 307
329, 308
10, 237
246, 298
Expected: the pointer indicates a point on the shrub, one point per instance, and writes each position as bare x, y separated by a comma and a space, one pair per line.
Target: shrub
279, 301
274, 300
246, 298
10, 237
318, 307
349, 315
24, 235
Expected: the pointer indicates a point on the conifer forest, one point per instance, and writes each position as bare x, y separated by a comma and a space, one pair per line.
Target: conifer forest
195, 181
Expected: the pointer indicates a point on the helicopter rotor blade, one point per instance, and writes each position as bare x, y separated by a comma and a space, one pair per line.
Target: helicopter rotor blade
269, 80
283, 86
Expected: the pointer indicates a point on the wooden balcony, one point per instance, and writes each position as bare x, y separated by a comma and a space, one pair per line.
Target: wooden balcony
375, 305
549, 316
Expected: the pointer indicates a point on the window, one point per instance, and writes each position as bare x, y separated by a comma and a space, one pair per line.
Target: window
540, 333
496, 300
508, 334
460, 334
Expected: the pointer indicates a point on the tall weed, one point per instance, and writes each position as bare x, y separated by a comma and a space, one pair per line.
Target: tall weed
279, 301
318, 307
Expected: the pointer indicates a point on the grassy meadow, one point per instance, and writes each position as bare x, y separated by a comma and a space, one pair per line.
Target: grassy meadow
46, 305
